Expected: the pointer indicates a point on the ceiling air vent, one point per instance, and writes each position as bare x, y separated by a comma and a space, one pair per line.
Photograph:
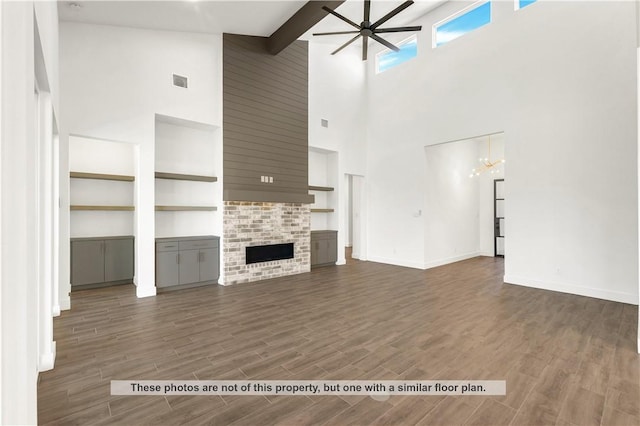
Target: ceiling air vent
180, 81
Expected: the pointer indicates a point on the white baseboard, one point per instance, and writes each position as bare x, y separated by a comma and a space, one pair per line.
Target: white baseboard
145, 291
453, 259
597, 293
55, 310
397, 262
341, 262
65, 303
428, 265
48, 360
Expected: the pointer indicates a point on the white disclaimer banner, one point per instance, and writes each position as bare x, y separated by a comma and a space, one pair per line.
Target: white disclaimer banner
308, 387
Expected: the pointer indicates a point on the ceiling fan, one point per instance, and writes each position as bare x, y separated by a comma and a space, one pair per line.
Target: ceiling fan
368, 29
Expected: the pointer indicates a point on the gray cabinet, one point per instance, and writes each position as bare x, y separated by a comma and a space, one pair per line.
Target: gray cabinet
209, 264
167, 272
324, 248
187, 261
101, 261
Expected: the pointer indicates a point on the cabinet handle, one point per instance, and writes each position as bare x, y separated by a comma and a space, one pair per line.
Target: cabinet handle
201, 257
178, 258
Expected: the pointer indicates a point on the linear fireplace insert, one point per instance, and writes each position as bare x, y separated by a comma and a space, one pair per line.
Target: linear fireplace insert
267, 253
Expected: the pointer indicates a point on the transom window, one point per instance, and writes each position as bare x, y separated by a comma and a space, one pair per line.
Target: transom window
388, 58
523, 3
462, 22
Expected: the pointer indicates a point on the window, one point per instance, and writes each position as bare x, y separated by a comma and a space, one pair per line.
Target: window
463, 22
523, 3
389, 59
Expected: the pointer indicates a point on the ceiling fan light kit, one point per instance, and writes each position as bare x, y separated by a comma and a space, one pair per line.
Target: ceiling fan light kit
367, 29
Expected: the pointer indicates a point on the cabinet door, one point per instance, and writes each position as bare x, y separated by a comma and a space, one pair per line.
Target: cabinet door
322, 256
189, 266
167, 269
332, 249
118, 260
209, 270
314, 252
87, 262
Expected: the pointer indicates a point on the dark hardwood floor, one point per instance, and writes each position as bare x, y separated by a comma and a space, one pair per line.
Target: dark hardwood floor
567, 360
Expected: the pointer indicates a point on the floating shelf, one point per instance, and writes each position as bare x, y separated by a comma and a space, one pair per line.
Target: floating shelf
101, 176
185, 208
320, 188
103, 208
180, 176
322, 210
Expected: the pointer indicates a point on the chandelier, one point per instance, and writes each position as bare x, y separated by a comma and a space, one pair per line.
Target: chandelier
486, 165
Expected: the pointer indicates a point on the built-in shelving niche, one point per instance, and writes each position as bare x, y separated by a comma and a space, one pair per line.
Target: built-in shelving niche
101, 184
187, 191
323, 177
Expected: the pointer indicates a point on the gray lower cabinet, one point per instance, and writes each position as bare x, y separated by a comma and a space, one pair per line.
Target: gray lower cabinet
101, 261
324, 248
187, 261
209, 264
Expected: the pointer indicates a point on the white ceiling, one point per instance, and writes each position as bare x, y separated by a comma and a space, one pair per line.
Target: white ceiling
215, 17
239, 17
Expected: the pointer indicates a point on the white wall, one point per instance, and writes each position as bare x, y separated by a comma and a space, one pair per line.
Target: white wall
22, 312
553, 79
336, 93
452, 203
115, 80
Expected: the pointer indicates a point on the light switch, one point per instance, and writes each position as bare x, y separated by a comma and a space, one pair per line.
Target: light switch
270, 179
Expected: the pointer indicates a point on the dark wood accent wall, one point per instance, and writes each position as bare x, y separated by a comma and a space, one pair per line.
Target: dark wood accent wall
265, 120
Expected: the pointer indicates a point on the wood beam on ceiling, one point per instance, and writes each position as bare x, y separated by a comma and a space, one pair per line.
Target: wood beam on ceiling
301, 21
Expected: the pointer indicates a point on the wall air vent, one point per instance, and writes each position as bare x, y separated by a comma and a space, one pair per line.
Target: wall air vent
180, 81
324, 123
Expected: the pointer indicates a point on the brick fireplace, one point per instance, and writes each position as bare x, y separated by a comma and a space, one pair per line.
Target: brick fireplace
250, 224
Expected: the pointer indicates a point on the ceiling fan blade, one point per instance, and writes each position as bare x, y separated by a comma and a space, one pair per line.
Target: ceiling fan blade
367, 9
391, 14
385, 42
345, 45
398, 29
337, 32
337, 15
365, 47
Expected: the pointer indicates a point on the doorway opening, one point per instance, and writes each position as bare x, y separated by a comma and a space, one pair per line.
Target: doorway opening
463, 216
354, 218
